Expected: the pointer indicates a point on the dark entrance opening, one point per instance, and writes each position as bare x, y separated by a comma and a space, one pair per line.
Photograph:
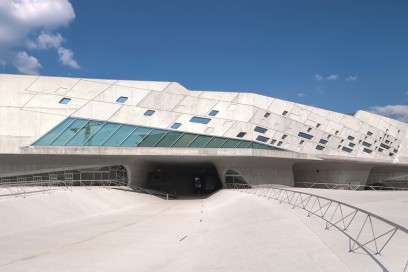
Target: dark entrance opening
184, 179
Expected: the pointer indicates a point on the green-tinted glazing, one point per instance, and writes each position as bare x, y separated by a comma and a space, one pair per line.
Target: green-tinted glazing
185, 140
200, 141
216, 142
169, 139
69, 132
78, 132
153, 137
136, 137
98, 138
85, 132
119, 136
244, 144
47, 138
231, 143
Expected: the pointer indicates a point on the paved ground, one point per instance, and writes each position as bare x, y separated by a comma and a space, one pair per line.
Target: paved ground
110, 230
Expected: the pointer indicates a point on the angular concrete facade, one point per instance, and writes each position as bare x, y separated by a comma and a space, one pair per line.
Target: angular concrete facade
145, 126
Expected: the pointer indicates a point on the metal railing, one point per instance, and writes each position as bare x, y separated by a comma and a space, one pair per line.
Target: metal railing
366, 231
22, 186
400, 186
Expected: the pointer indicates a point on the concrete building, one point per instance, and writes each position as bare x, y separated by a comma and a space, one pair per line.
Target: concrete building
169, 138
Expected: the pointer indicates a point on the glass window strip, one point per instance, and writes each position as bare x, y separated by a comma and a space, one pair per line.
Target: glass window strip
76, 119
136, 127
177, 139
67, 122
88, 125
120, 125
168, 134
73, 120
152, 135
90, 137
87, 122
147, 134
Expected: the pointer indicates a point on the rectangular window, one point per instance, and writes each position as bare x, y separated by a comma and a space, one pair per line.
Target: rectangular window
309, 129
213, 113
337, 132
346, 149
122, 99
385, 146
65, 101
284, 113
305, 135
200, 120
262, 139
301, 142
266, 115
175, 125
260, 129
279, 143
284, 136
328, 136
318, 125
369, 133
366, 150
351, 138
149, 112
323, 141
241, 134
352, 145
273, 141
319, 147
200, 141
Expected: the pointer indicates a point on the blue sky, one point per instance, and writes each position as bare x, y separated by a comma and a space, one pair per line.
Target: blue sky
337, 55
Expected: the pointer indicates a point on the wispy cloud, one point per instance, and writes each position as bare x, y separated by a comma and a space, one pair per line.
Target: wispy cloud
332, 77
321, 78
318, 77
351, 78
20, 23
399, 112
300, 95
66, 57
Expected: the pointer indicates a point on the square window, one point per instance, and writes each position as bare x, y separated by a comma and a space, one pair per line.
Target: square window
149, 112
284, 113
351, 138
241, 134
319, 147
337, 132
122, 99
284, 136
323, 141
267, 114
175, 125
309, 129
318, 125
279, 143
329, 136
213, 113
301, 142
262, 139
65, 101
260, 129
273, 141
200, 120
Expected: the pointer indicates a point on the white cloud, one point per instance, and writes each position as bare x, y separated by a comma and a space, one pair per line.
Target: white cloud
300, 95
318, 77
399, 112
46, 41
351, 78
26, 64
66, 57
332, 77
20, 20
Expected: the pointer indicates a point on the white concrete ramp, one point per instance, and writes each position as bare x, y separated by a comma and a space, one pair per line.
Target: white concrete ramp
111, 230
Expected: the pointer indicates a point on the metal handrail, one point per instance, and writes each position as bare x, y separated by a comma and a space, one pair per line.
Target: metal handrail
354, 187
301, 200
